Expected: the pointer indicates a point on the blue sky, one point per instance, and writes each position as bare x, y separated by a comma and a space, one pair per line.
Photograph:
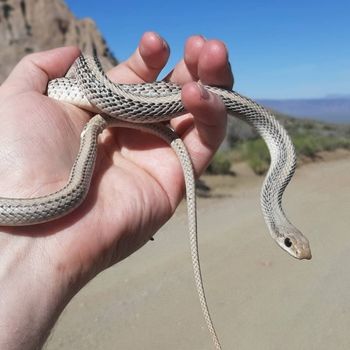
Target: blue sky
278, 49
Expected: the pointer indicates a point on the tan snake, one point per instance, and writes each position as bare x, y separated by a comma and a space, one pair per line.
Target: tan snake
144, 107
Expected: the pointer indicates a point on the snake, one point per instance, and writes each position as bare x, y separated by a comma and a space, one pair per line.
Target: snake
149, 107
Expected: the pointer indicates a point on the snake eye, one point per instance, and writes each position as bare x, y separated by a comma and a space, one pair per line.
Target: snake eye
287, 242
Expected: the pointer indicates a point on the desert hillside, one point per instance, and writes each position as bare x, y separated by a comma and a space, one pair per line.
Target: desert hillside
34, 25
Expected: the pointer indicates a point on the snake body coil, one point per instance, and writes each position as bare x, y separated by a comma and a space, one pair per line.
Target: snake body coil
144, 106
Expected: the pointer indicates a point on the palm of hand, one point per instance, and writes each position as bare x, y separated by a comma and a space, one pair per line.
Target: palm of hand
43, 147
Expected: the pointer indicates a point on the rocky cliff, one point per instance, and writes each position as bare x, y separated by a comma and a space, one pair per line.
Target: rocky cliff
33, 25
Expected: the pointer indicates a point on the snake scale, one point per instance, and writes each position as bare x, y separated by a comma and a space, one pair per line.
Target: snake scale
146, 107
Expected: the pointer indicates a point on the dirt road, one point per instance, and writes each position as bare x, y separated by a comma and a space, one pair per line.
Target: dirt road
260, 298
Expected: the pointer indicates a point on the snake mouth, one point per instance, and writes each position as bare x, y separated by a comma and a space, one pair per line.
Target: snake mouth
300, 254
305, 254
303, 248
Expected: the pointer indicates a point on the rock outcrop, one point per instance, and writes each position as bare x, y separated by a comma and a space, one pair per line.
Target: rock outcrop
34, 25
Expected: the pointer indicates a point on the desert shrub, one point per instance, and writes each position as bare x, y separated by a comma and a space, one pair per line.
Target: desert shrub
221, 164
306, 145
309, 145
256, 153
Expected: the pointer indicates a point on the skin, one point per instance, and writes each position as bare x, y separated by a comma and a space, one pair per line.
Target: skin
136, 188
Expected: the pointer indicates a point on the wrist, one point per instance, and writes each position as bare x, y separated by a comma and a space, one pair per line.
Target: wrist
32, 294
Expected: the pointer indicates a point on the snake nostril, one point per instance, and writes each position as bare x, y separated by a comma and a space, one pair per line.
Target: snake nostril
287, 242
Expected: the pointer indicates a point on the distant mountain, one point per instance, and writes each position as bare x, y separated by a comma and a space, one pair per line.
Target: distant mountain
333, 108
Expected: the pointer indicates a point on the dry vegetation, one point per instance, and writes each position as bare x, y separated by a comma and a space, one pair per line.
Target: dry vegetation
310, 137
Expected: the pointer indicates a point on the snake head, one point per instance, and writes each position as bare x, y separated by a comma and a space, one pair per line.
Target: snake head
295, 243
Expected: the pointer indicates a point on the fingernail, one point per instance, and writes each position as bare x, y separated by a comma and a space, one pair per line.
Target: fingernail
203, 91
164, 43
158, 35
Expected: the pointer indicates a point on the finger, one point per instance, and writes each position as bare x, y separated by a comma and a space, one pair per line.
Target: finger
213, 65
208, 128
35, 70
146, 62
187, 69
204, 132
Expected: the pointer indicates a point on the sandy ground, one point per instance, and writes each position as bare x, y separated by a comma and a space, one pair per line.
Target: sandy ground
260, 298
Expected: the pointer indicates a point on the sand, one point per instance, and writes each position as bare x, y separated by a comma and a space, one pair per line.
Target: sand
260, 298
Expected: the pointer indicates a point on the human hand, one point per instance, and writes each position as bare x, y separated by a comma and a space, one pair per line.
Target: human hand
137, 183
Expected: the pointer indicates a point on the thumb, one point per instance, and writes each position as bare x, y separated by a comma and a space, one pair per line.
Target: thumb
35, 70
